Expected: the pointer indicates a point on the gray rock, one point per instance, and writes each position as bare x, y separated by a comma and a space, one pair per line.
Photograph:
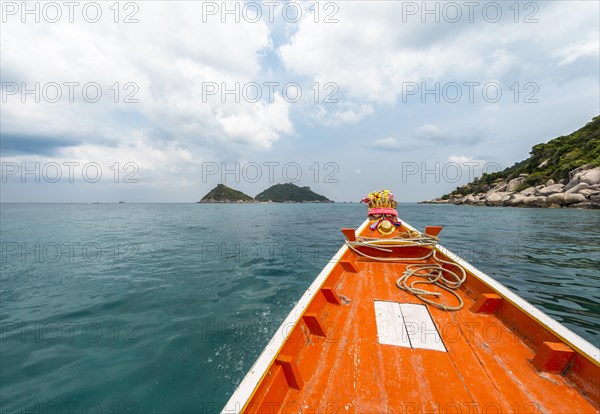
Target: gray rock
533, 201
556, 198
583, 204
528, 191
563, 181
514, 183
553, 205
588, 192
496, 189
565, 198
577, 170
515, 200
595, 198
544, 163
549, 182
556, 188
571, 198
577, 188
471, 199
590, 176
494, 199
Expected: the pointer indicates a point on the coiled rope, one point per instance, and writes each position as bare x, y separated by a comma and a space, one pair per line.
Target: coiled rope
434, 274
409, 238
427, 273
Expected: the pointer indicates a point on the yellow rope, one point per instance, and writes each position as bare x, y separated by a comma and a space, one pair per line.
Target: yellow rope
433, 274
429, 273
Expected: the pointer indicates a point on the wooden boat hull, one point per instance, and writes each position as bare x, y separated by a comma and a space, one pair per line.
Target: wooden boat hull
356, 343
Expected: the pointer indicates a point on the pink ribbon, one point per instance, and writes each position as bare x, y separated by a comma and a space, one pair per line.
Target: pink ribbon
389, 211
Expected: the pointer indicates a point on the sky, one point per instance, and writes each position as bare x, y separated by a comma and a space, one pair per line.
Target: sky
156, 101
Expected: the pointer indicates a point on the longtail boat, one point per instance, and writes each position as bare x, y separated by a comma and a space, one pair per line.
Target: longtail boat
396, 323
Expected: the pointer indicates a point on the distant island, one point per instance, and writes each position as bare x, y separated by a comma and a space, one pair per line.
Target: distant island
223, 194
564, 172
291, 193
279, 193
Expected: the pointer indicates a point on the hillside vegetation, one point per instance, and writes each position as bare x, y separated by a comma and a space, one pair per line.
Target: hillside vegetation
552, 160
280, 193
223, 194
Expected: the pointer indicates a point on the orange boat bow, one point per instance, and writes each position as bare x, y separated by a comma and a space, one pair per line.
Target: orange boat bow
340, 351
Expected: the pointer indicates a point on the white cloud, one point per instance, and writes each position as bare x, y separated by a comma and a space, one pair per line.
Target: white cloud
336, 114
388, 143
429, 131
465, 160
260, 127
589, 47
376, 63
170, 55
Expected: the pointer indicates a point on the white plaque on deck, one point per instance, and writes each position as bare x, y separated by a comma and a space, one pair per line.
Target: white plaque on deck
390, 324
407, 325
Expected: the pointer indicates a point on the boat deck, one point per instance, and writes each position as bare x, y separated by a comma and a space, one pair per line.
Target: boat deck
487, 368
356, 343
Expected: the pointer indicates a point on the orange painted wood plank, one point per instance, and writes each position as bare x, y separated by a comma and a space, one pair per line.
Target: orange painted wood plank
433, 230
553, 357
487, 366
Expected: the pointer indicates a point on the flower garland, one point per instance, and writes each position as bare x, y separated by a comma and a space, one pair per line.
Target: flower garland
380, 199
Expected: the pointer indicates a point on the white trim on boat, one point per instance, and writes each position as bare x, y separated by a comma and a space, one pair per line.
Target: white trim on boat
244, 391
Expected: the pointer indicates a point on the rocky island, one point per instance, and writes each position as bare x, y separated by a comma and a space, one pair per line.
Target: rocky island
279, 193
291, 193
564, 172
223, 194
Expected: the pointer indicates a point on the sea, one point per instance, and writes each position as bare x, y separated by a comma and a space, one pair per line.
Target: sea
162, 308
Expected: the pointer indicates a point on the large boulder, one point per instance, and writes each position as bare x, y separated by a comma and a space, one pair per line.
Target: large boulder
460, 200
471, 199
500, 187
595, 198
546, 191
588, 192
577, 188
565, 198
556, 198
528, 191
494, 199
515, 200
535, 201
515, 183
571, 198
583, 204
577, 170
588, 176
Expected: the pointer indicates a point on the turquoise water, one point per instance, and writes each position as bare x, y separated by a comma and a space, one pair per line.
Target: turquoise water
161, 308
